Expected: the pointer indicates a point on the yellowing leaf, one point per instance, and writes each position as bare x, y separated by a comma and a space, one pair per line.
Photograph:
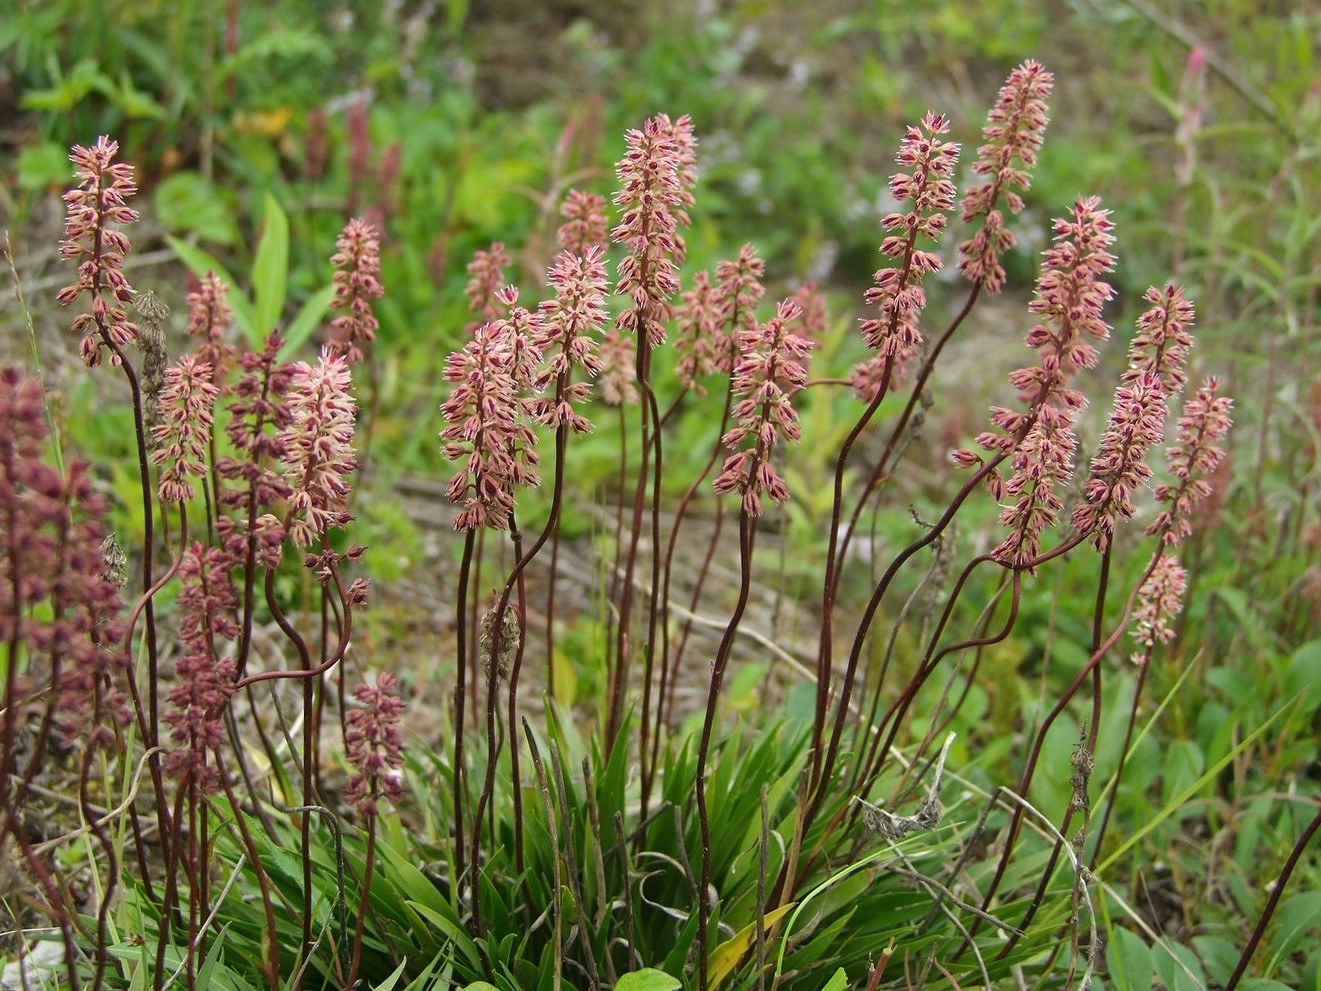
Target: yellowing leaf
729, 953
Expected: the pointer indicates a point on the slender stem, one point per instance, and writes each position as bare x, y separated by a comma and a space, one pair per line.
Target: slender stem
747, 534
364, 900
1277, 891
460, 697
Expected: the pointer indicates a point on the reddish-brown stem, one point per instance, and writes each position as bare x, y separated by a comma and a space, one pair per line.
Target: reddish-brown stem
747, 535
364, 901
1277, 891
914, 397
460, 697
1029, 768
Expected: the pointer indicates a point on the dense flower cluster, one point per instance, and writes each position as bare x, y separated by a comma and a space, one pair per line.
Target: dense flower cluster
569, 323
618, 380
1137, 418
98, 201
698, 344
815, 320
1194, 455
486, 277
925, 182
1069, 299
485, 429
209, 316
1159, 600
712, 315
258, 417
187, 414
654, 176
584, 224
205, 675
772, 368
1162, 343
357, 282
59, 602
373, 746
1119, 468
1013, 134
317, 446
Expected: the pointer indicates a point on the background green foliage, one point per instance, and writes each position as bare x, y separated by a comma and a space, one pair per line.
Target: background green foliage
493, 110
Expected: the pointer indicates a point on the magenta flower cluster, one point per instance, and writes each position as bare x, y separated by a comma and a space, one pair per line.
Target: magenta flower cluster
98, 201
655, 176
485, 429
373, 746
59, 602
772, 367
357, 281
926, 183
1015, 129
317, 446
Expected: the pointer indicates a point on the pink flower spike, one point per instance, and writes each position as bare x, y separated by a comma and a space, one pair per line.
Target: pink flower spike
772, 368
484, 430
187, 409
927, 184
1160, 599
655, 176
584, 224
1194, 455
1137, 423
373, 746
93, 206
209, 317
1013, 134
357, 282
486, 277
1163, 341
569, 323
318, 457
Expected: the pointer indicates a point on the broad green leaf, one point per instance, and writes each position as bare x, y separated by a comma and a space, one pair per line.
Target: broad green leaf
838, 981
1179, 800
648, 979
1294, 920
566, 679
1178, 967
454, 931
270, 268
199, 263
186, 202
43, 165
302, 326
1129, 960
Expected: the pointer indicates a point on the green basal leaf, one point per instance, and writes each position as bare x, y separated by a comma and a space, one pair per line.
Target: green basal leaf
270, 268
200, 262
309, 317
648, 979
